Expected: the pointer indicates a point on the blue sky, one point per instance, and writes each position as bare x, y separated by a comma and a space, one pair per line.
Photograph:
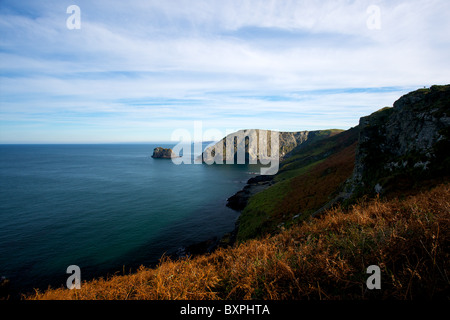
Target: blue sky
138, 70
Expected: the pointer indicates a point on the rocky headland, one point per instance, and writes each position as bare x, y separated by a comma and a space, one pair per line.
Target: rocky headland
396, 150
288, 141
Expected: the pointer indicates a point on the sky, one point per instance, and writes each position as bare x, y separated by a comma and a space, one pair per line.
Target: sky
138, 70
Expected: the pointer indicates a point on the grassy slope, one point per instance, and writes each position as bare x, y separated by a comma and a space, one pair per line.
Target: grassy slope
321, 258
306, 181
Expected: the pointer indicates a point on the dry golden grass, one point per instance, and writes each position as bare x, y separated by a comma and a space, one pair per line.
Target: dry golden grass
323, 258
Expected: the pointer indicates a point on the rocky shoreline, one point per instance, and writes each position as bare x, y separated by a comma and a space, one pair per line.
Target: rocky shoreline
237, 202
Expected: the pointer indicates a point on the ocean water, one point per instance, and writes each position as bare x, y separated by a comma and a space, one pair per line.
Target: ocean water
106, 208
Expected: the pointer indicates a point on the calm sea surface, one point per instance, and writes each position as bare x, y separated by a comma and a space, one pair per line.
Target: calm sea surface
105, 208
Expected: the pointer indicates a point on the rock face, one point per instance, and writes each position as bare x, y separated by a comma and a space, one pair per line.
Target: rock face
163, 153
405, 144
251, 140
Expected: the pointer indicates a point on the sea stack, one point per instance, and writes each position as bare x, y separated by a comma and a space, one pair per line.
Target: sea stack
163, 153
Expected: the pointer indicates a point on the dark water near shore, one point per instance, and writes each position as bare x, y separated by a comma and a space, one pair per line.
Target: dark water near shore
105, 208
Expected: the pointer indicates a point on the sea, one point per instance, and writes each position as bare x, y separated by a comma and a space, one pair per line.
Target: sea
106, 208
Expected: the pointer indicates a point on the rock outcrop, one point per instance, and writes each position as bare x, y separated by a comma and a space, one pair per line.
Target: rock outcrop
406, 144
239, 200
163, 153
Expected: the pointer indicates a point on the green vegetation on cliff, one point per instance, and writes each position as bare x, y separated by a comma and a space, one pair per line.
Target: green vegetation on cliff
306, 181
393, 151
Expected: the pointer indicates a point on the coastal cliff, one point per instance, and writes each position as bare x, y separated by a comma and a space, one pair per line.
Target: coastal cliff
396, 150
250, 140
406, 145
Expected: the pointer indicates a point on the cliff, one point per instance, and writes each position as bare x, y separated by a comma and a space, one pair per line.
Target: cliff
307, 181
395, 151
163, 153
405, 146
250, 140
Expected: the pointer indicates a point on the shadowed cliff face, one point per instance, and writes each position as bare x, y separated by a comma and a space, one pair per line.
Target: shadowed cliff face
403, 146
